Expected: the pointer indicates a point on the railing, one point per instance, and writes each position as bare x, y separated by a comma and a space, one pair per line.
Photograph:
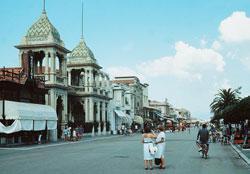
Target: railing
40, 78
59, 79
6, 74
78, 88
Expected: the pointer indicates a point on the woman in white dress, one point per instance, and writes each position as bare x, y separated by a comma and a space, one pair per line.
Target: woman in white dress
160, 144
148, 140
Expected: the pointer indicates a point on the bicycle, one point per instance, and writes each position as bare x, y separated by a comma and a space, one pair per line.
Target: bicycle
204, 150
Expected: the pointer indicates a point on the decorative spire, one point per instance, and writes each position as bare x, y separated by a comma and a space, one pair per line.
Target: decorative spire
82, 21
44, 11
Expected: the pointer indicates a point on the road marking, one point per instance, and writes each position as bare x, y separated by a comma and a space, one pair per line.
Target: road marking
58, 144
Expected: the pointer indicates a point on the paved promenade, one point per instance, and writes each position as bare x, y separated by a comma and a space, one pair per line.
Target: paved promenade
119, 154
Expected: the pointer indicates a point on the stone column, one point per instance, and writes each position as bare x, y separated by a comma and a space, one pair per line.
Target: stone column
41, 66
91, 109
46, 72
69, 78
61, 69
98, 112
86, 80
103, 111
53, 68
86, 106
91, 79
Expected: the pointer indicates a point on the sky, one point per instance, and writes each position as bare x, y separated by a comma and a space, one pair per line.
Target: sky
186, 50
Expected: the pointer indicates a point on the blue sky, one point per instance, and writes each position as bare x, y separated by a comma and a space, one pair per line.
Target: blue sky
182, 48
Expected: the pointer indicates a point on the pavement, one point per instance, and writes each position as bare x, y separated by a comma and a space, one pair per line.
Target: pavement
243, 153
120, 154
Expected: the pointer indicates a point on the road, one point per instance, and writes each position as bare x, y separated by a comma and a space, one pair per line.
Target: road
120, 154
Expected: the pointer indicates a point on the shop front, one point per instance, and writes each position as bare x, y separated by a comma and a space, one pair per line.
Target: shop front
25, 123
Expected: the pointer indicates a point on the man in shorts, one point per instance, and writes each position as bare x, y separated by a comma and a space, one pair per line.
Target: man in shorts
202, 137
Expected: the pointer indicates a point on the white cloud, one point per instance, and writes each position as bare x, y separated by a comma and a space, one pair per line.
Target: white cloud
203, 42
246, 62
123, 71
188, 62
216, 45
220, 84
225, 84
235, 28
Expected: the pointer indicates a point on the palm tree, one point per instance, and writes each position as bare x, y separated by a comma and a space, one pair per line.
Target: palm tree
224, 98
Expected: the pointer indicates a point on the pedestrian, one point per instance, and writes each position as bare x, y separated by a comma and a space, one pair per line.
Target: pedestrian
40, 138
123, 128
81, 130
136, 128
65, 133
224, 134
148, 140
69, 134
74, 137
202, 137
161, 143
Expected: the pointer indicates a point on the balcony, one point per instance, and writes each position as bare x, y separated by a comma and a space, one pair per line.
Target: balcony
59, 79
78, 88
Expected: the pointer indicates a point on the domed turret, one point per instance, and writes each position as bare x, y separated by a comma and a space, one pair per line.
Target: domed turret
42, 32
81, 54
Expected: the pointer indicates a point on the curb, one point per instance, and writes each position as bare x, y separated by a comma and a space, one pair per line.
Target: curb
243, 156
60, 143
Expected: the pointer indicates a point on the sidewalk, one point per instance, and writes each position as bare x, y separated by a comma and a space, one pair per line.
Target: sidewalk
243, 153
87, 138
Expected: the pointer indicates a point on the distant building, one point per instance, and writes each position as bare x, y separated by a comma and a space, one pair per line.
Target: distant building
164, 107
129, 95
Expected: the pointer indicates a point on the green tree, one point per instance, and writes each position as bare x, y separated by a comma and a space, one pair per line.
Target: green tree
224, 98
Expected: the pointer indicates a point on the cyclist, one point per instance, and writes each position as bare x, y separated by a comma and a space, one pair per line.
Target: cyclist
202, 137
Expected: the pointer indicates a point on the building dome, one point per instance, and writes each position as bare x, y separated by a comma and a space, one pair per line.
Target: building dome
42, 32
81, 54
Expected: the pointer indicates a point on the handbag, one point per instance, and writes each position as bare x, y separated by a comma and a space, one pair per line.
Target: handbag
157, 161
152, 149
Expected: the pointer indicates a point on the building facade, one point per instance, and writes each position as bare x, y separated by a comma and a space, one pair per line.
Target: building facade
129, 96
76, 87
89, 90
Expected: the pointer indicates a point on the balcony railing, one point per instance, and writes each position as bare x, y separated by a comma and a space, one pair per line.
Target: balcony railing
78, 88
59, 79
10, 75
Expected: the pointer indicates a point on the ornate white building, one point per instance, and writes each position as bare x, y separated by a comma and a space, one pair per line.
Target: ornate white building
77, 88
89, 88
42, 54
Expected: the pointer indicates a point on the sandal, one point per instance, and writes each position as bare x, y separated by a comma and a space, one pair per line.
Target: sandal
162, 167
146, 168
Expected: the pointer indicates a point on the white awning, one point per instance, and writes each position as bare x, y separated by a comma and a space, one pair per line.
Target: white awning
120, 113
123, 116
28, 116
138, 119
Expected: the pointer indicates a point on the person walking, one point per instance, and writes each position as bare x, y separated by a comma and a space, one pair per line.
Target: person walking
202, 137
161, 143
65, 132
148, 140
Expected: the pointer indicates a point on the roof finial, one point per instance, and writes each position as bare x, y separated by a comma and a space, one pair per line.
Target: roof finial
44, 7
82, 21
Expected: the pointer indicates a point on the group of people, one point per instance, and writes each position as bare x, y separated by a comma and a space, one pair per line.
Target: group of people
154, 147
240, 132
73, 134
